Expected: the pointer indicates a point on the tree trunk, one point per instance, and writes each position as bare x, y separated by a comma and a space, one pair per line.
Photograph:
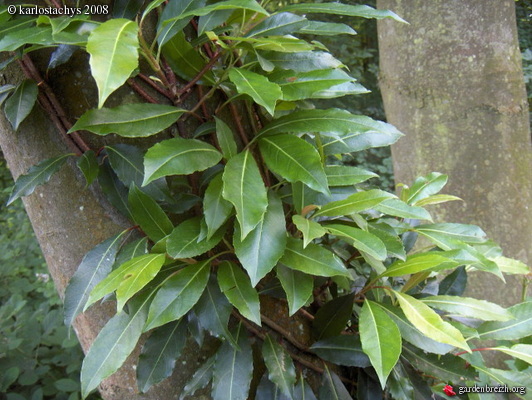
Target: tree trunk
452, 82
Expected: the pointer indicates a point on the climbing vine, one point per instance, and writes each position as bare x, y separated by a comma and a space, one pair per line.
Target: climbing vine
238, 202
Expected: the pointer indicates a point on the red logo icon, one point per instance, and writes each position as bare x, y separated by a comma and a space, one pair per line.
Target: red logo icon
449, 391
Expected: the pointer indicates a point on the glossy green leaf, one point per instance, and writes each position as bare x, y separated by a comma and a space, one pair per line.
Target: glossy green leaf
215, 208
131, 250
393, 243
342, 350
278, 24
213, 311
200, 379
178, 156
462, 232
332, 318
313, 260
513, 329
520, 351
113, 345
236, 286
233, 368
210, 21
19, 105
267, 390
424, 186
35, 176
343, 175
5, 91
297, 286
126, 8
469, 307
264, 245
295, 160
257, 86
398, 208
304, 61
178, 294
436, 199
319, 84
331, 387
183, 241
129, 120
454, 284
420, 262
303, 391
226, 139
14, 25
243, 186
327, 29
148, 214
175, 9
127, 279
511, 378
357, 202
281, 370
381, 339
342, 9
88, 165
113, 48
19, 37
511, 266
362, 240
310, 229
114, 190
185, 60
430, 323
412, 335
159, 354
94, 267
283, 44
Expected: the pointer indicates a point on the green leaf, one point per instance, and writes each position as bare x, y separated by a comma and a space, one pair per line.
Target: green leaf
128, 279
126, 8
327, 29
462, 232
267, 390
297, 286
342, 350
318, 84
112, 346
381, 339
295, 160
393, 243
131, 250
16, 38
159, 354
35, 176
178, 294
5, 91
310, 229
200, 379
129, 120
243, 186
302, 62
331, 387
113, 48
280, 367
513, 379
511, 266
225, 138
454, 284
210, 21
215, 208
479, 309
520, 351
178, 156
342, 9
514, 329
148, 214
303, 391
313, 260
362, 240
264, 245
185, 60
233, 369
278, 24
430, 323
436, 199
88, 165
332, 318
357, 202
19, 105
342, 175
175, 9
420, 262
213, 311
183, 241
236, 286
114, 190
425, 186
257, 86
398, 208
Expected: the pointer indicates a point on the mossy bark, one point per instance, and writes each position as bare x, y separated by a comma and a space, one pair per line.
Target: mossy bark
452, 81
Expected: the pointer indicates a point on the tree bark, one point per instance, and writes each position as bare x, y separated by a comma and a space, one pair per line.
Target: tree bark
452, 81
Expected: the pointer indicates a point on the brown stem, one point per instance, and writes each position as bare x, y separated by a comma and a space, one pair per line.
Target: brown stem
140, 91
286, 334
238, 124
155, 86
200, 74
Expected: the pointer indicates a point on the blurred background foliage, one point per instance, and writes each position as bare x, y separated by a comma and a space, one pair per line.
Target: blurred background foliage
38, 359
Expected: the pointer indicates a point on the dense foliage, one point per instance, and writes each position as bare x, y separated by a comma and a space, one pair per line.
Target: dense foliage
241, 202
